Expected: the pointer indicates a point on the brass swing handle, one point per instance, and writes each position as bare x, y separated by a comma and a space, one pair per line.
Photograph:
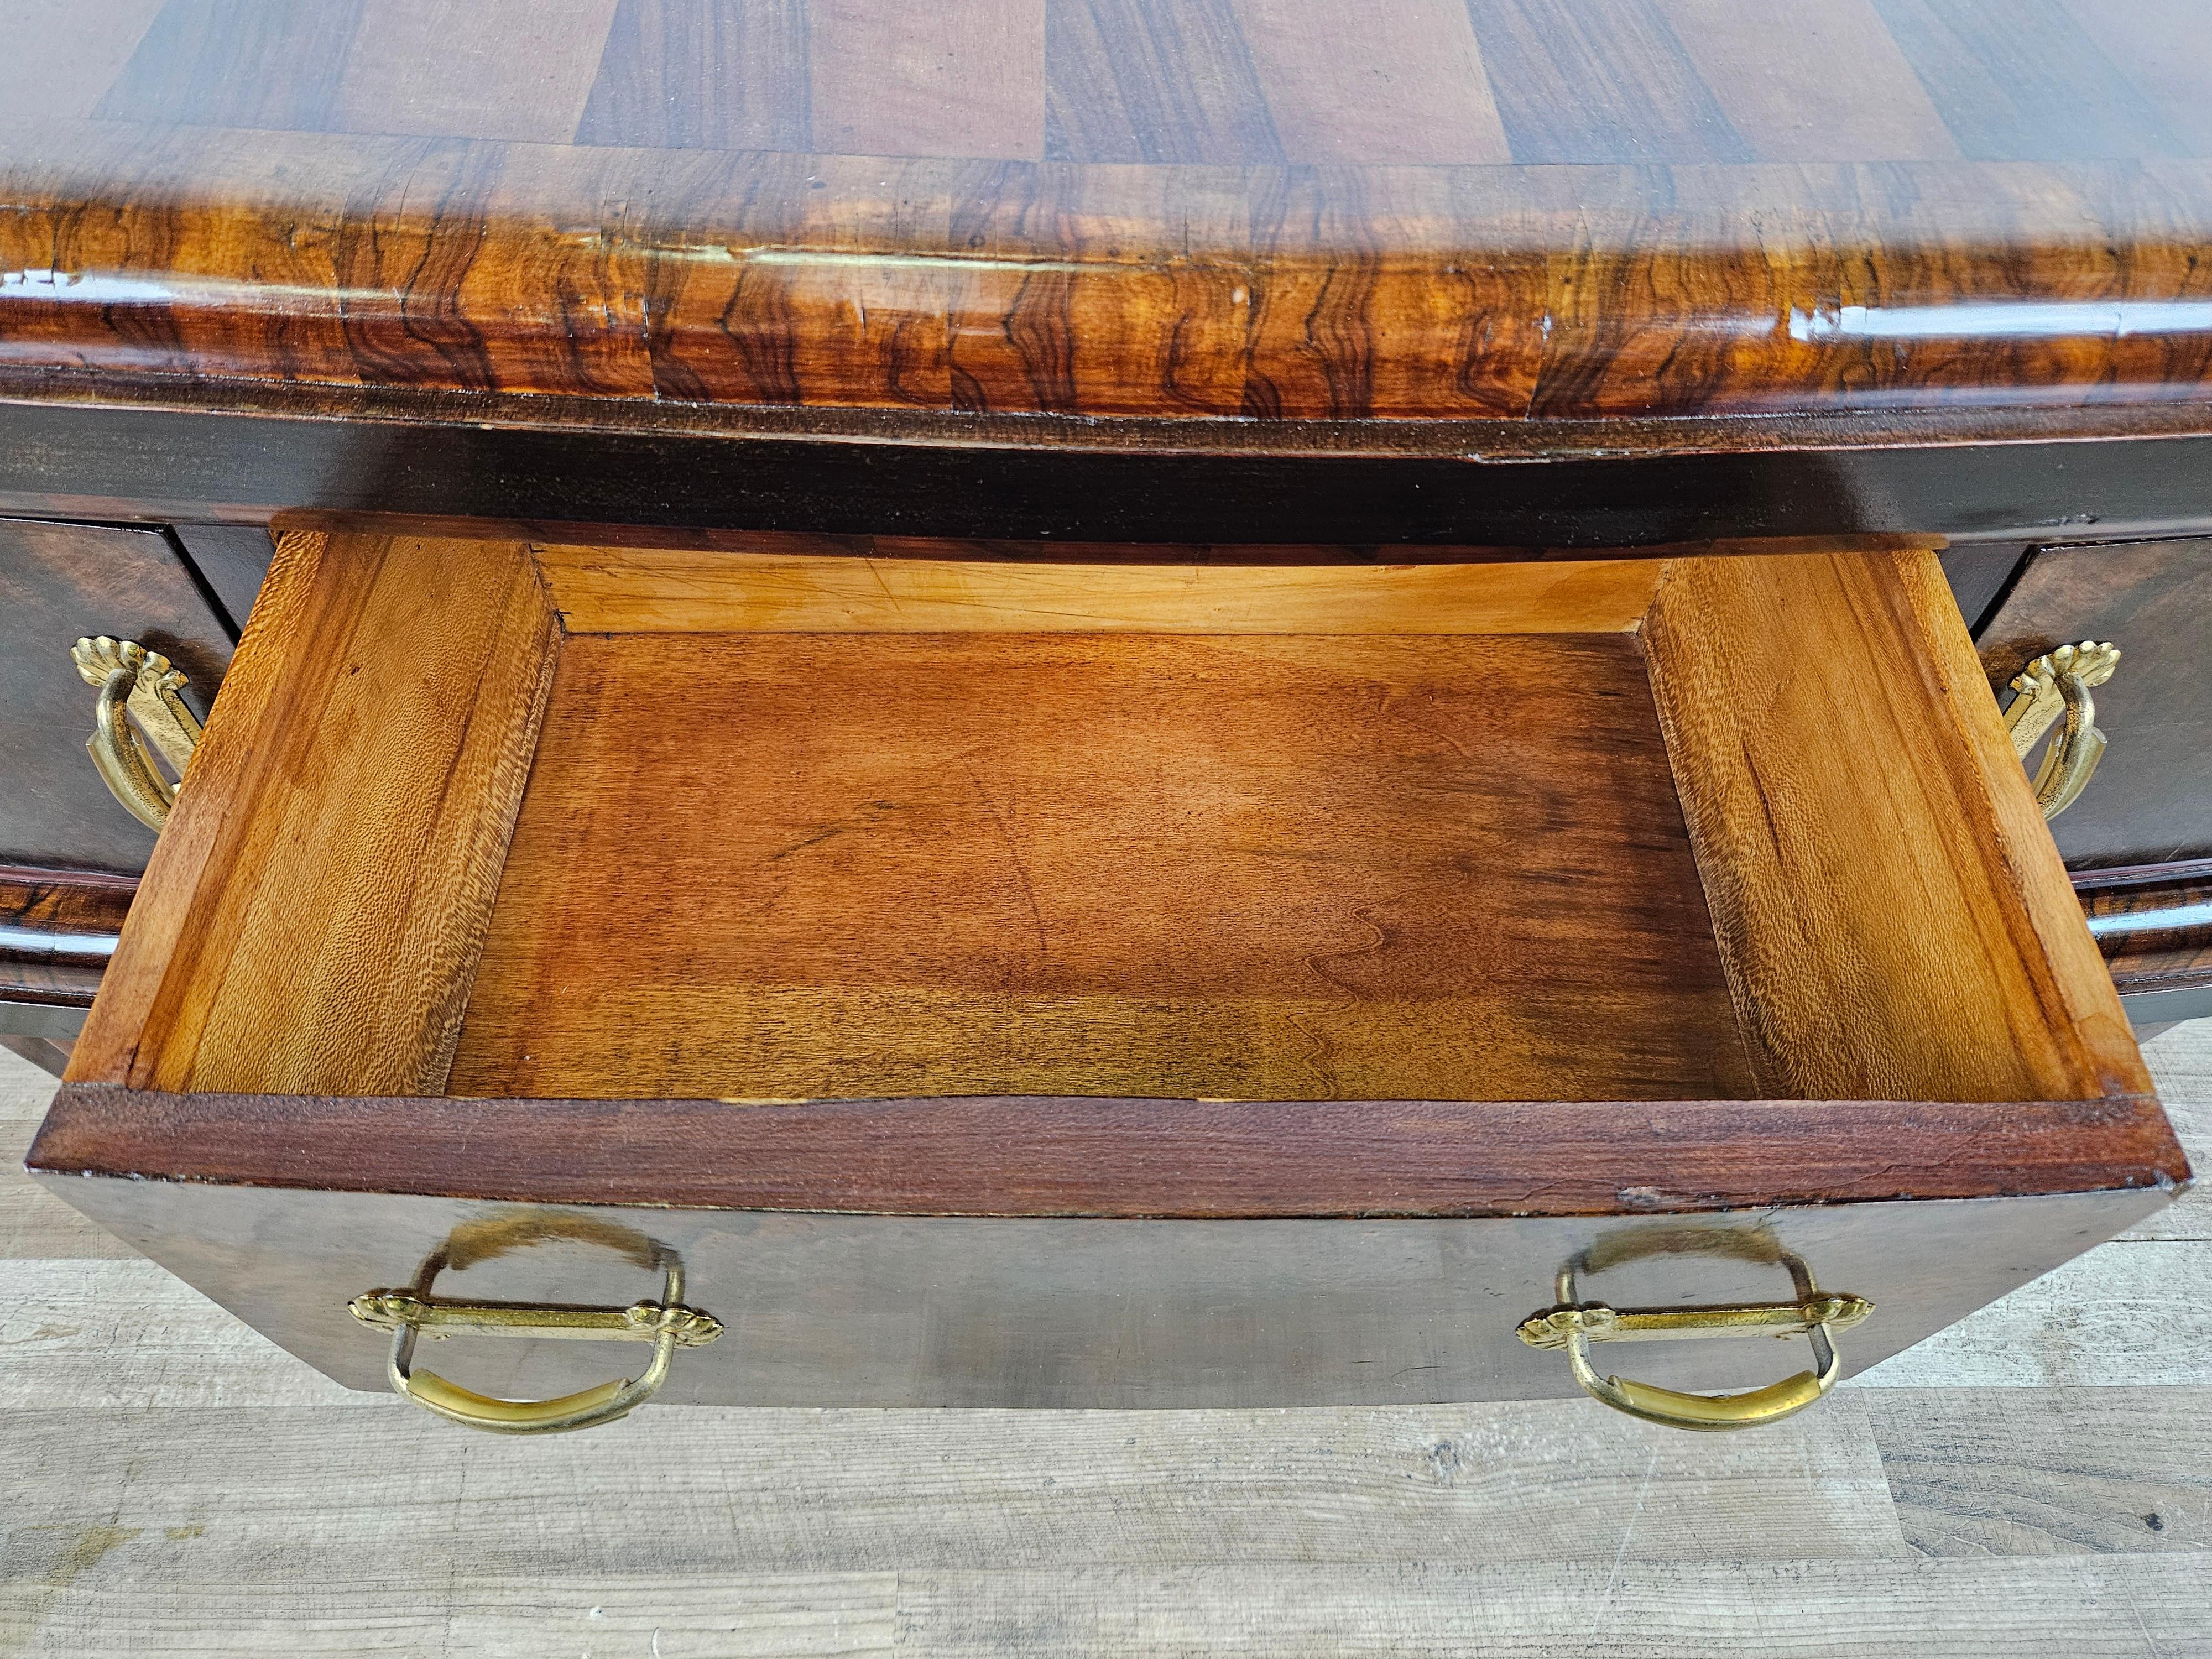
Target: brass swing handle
1814, 1316
136, 683
2058, 682
668, 1325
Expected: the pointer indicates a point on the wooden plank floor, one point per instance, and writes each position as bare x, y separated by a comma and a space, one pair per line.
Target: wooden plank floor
2037, 1481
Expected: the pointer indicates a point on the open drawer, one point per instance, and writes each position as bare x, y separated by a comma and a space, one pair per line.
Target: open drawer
1004, 984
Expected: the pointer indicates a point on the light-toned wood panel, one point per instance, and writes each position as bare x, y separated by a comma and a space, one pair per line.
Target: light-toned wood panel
1984, 1472
2122, 1607
653, 589
518, 69
1379, 82
1895, 922
1811, 84
2180, 1061
310, 920
958, 77
35, 1225
768, 865
781, 1490
720, 1611
2123, 1315
100, 1334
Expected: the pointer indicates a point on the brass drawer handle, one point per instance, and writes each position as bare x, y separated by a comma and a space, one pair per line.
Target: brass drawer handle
1813, 1313
137, 684
2058, 682
667, 1324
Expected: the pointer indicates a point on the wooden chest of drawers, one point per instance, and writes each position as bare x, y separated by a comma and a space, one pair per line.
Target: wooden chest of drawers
1048, 982
1120, 949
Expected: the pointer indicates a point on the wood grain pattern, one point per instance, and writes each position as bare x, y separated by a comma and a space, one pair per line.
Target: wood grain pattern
960, 77
2059, 1472
2024, 80
1599, 84
1433, 866
1799, 85
722, 75
518, 69
318, 894
1091, 1157
236, 63
1528, 211
2154, 924
1397, 85
63, 55
192, 1489
663, 590
57, 930
1129, 81
1874, 856
2166, 53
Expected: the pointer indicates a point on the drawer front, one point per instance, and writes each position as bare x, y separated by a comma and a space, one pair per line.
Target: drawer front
2151, 799
58, 583
1024, 983
832, 1310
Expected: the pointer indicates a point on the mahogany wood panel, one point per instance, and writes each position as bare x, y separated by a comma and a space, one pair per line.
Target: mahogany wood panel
2151, 800
1129, 81
59, 582
1578, 83
1519, 211
314, 904
1279, 867
702, 75
1893, 916
1125, 1157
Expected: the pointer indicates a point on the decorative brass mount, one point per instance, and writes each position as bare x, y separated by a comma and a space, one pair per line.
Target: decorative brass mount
2058, 682
141, 685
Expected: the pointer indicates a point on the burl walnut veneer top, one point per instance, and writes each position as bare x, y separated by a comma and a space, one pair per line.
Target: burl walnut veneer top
1914, 218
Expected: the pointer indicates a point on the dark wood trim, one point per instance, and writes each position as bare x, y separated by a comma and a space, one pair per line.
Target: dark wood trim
2142, 875
1045, 1157
57, 930
511, 462
2154, 923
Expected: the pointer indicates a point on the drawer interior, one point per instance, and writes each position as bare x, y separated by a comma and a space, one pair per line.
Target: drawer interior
488, 820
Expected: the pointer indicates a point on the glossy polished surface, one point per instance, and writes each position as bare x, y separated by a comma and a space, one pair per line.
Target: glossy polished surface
1500, 211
